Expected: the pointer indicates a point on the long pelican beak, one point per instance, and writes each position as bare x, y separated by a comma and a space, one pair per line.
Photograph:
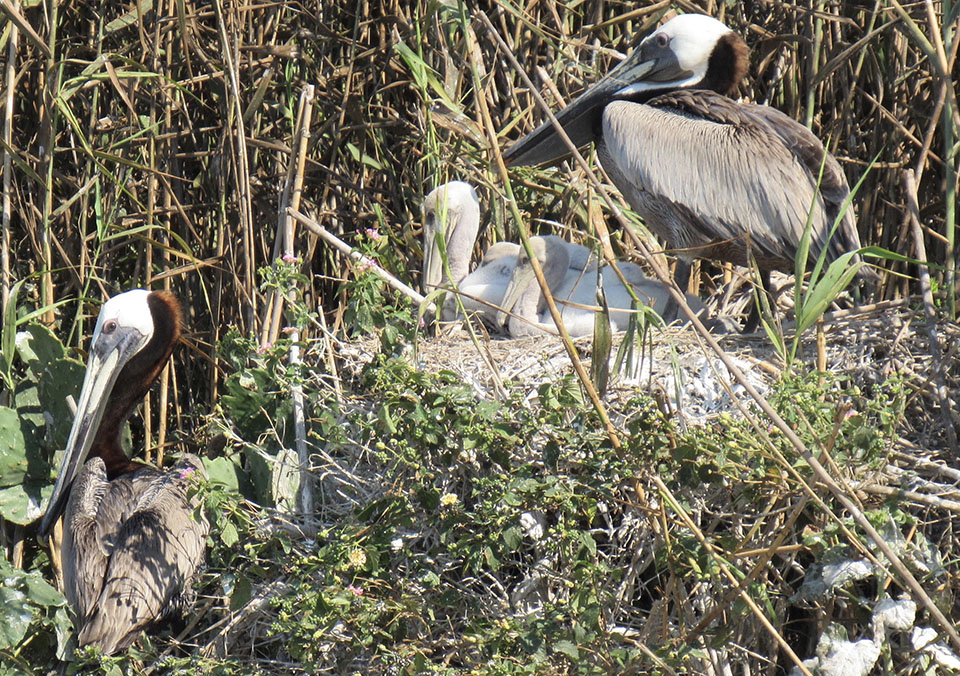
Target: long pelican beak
519, 281
582, 119
432, 262
112, 348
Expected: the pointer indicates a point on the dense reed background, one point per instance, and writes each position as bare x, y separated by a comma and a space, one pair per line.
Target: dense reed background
149, 144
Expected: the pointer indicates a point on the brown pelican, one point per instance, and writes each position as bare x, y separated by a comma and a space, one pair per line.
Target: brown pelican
712, 177
131, 544
575, 292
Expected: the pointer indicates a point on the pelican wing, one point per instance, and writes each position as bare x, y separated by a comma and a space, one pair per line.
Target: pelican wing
834, 189
707, 172
154, 548
84, 555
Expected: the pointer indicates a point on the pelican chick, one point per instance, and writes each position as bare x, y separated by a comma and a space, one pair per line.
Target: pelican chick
575, 293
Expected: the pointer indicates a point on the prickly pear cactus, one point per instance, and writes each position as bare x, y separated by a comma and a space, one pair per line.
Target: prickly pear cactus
31, 433
13, 451
285, 480
59, 379
36, 345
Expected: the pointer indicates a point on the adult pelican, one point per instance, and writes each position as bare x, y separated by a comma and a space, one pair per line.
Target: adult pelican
575, 292
711, 177
131, 543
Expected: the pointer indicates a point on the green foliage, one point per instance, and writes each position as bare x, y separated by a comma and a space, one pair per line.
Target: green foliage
28, 602
37, 424
384, 577
371, 306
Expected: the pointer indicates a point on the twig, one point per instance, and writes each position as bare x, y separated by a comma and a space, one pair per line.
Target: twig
220, 644
369, 263
9, 79
936, 354
305, 491
13, 12
920, 498
578, 367
241, 166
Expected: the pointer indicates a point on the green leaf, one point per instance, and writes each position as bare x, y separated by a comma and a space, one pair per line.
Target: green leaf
228, 534
15, 616
424, 75
222, 471
130, 17
837, 277
13, 451
242, 592
568, 648
492, 561
588, 542
512, 538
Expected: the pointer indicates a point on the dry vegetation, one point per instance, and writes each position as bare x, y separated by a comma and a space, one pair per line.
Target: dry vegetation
156, 145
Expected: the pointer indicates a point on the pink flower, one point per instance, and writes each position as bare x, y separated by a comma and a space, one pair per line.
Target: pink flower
373, 234
187, 472
290, 258
287, 330
263, 348
356, 591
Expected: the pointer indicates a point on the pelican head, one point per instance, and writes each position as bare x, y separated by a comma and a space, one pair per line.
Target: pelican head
523, 294
451, 216
691, 51
128, 339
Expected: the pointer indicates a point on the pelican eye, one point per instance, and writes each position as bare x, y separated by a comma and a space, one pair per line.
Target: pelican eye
109, 326
661, 40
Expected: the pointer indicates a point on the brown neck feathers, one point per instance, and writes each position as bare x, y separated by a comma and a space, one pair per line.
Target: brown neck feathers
135, 380
727, 66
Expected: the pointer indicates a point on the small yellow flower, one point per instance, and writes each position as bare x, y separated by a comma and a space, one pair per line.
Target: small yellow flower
448, 499
358, 558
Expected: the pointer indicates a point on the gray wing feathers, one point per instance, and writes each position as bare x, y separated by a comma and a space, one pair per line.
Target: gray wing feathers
728, 176
83, 539
153, 546
833, 183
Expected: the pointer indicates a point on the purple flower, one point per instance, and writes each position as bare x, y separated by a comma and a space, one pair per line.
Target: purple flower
187, 472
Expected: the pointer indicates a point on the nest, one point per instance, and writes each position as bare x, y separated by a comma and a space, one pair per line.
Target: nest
867, 346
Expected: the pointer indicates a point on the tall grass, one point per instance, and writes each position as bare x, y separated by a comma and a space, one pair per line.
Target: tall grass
148, 144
